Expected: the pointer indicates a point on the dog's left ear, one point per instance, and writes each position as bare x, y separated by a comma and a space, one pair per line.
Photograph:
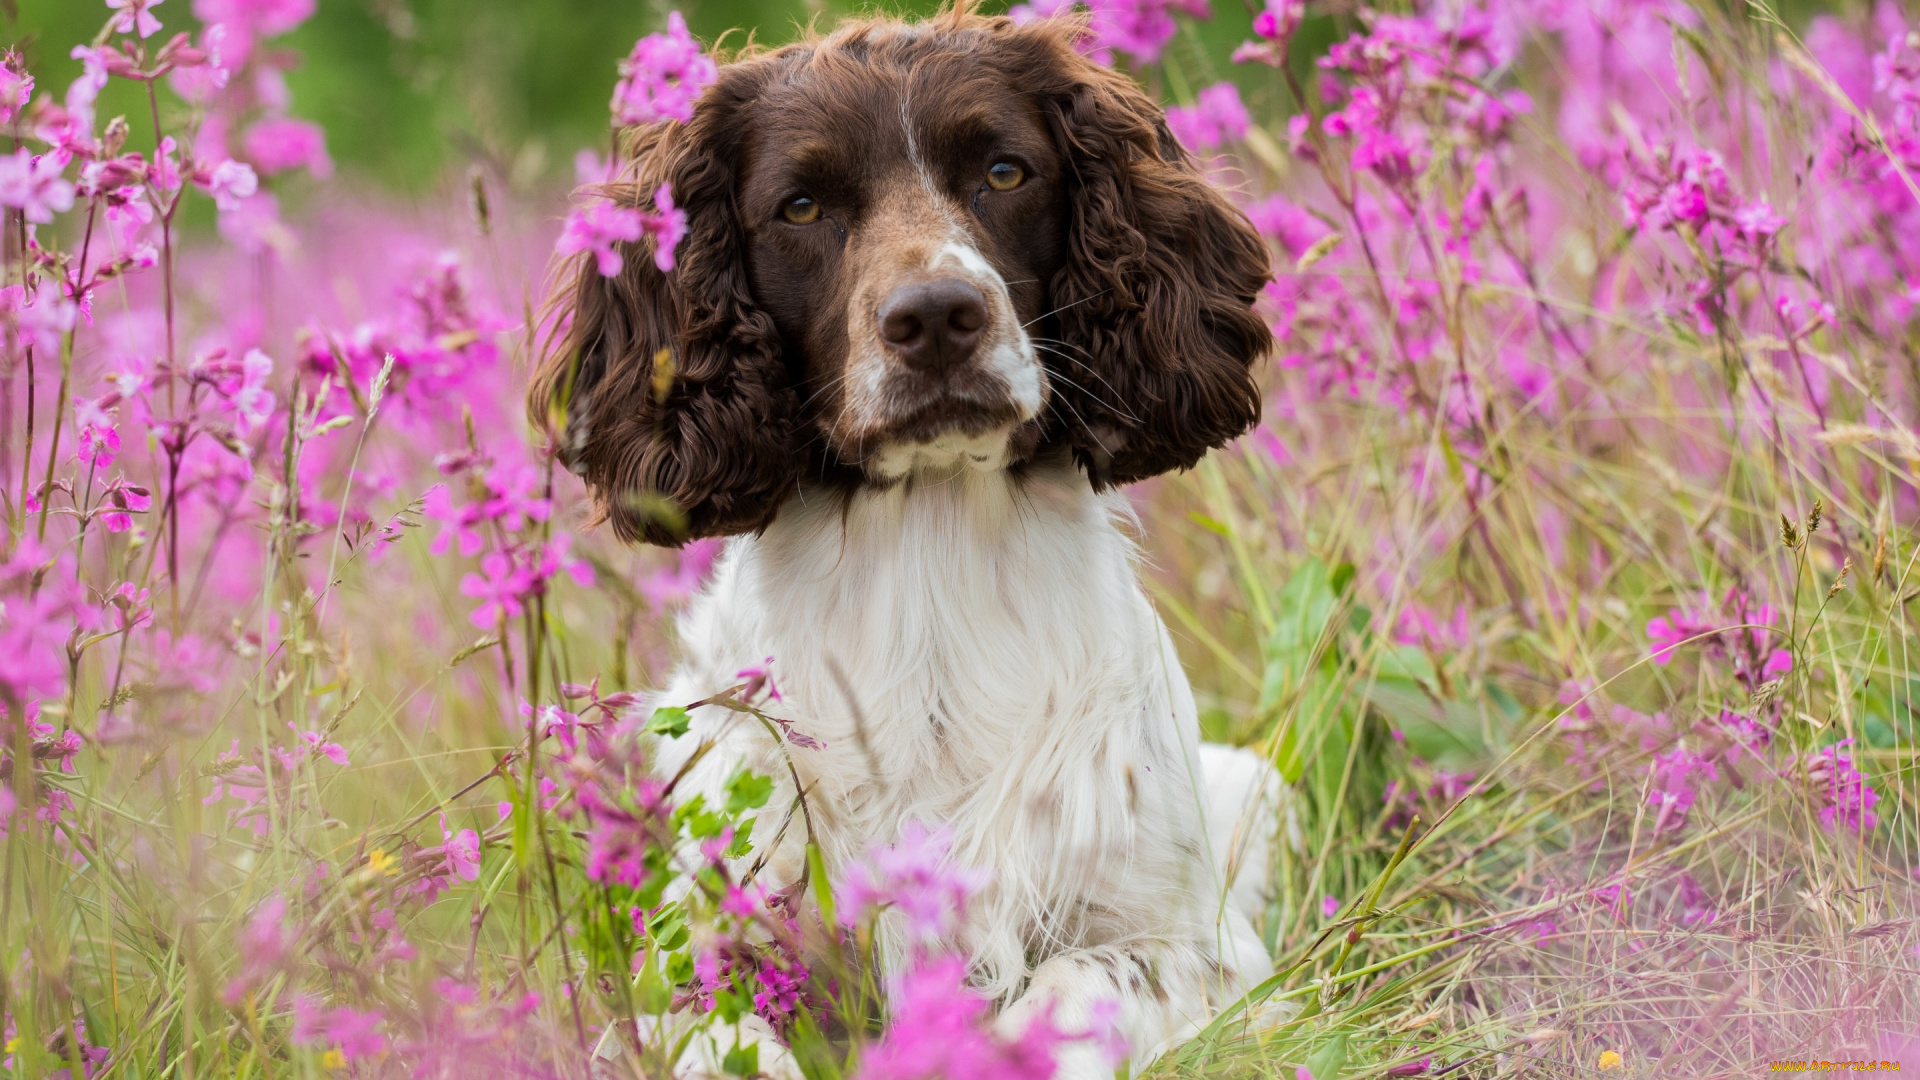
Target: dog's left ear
1155, 302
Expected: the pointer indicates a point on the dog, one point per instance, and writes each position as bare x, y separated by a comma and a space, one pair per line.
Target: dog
944, 288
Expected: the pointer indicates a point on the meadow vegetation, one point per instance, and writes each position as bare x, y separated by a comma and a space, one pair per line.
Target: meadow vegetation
1566, 580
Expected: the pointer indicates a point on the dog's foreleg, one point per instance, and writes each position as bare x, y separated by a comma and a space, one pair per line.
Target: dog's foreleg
1154, 993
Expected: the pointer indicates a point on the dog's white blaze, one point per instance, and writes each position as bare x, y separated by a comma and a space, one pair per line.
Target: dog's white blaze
970, 260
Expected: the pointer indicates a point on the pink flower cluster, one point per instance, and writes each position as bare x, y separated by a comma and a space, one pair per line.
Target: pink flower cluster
1741, 631
663, 76
1216, 118
938, 1027
600, 227
1844, 796
1140, 28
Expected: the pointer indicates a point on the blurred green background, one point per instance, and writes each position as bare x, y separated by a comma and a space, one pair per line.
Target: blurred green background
408, 89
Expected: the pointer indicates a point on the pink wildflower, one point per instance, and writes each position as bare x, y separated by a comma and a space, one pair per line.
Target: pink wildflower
758, 682
500, 586
1216, 117
673, 586
135, 15
662, 77
1279, 19
257, 18
938, 1029
356, 1033
265, 944
16, 89
252, 400
1757, 221
915, 877
1847, 797
99, 442
280, 144
599, 226
667, 225
231, 183
33, 184
1672, 794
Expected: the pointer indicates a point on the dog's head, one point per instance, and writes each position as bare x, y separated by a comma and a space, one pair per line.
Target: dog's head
939, 245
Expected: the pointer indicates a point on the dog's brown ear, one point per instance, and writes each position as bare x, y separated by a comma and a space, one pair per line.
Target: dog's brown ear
667, 392
1155, 301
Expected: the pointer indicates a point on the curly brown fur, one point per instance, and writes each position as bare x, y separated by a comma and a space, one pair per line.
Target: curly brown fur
1135, 278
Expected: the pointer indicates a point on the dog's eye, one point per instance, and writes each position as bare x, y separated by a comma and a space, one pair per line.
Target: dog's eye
1005, 176
801, 211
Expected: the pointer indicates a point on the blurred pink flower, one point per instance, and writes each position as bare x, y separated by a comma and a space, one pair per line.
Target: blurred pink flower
1139, 27
1329, 906
1672, 793
938, 1028
500, 586
591, 168
1279, 19
356, 1033
99, 441
1216, 117
662, 77
308, 744
34, 185
16, 89
1668, 632
262, 18
135, 15
265, 944
1285, 222
674, 585
252, 400
915, 877
1757, 220
230, 183
279, 144
1847, 797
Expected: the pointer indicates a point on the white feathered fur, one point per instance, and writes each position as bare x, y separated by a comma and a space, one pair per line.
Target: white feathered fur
1008, 677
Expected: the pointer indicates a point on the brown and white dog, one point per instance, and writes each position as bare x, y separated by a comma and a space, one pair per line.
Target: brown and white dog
945, 286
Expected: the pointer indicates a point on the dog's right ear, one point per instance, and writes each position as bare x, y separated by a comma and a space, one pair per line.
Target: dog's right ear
667, 392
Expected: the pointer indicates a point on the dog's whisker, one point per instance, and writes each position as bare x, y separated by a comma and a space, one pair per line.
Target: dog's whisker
1064, 307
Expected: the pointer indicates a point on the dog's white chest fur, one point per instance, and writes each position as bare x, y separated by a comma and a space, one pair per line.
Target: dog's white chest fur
977, 651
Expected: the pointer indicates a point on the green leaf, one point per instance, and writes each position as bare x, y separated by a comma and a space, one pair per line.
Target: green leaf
669, 720
1305, 603
822, 886
654, 995
742, 1060
747, 790
1326, 1062
679, 967
742, 840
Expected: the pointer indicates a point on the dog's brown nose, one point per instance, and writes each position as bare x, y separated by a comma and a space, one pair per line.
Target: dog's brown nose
933, 325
